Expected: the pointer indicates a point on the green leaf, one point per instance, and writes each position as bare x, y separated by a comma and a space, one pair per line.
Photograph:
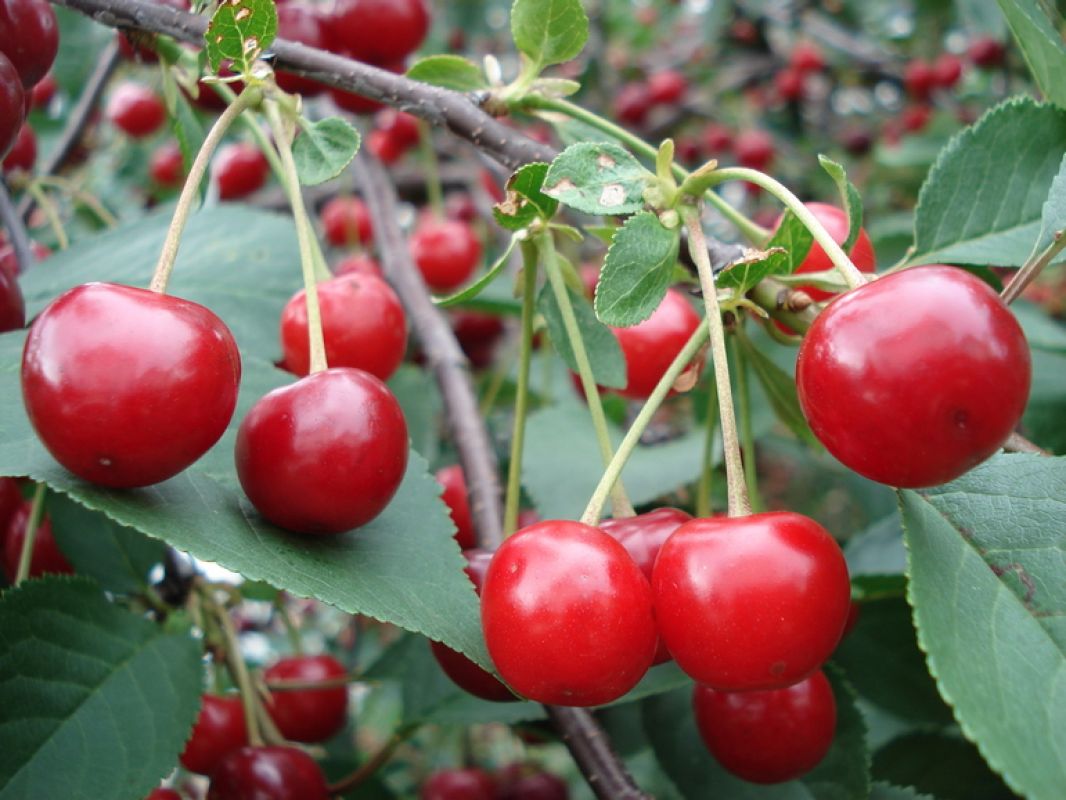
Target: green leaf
525, 201
850, 198
943, 765
604, 352
97, 702
982, 203
637, 271
239, 31
784, 252
598, 178
549, 31
323, 149
421, 402
449, 72
1053, 215
886, 791
990, 608
1041, 45
780, 389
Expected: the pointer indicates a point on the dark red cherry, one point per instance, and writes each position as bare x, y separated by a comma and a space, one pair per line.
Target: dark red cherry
667, 87
835, 221
478, 335
136, 110
43, 92
47, 558
919, 79
395, 132
458, 784
346, 222
358, 264
460, 206
716, 139
915, 117
268, 773
755, 602
240, 169
529, 782
157, 376
23, 154
167, 166
632, 103
789, 83
12, 105
397, 30
947, 69
12, 304
916, 378
572, 595
454, 496
651, 346
754, 148
298, 22
807, 57
987, 52
219, 730
308, 715
446, 252
29, 37
10, 500
768, 736
325, 454
363, 324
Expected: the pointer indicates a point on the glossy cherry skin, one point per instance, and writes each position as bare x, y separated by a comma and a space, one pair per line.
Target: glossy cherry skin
463, 672
754, 149
378, 31
363, 324
167, 166
642, 536
29, 37
12, 105
136, 110
768, 736
528, 782
240, 169
651, 346
755, 602
454, 496
346, 222
835, 222
12, 304
47, 558
268, 773
298, 22
446, 252
325, 454
667, 87
571, 595
219, 731
23, 153
312, 715
127, 387
916, 378
458, 784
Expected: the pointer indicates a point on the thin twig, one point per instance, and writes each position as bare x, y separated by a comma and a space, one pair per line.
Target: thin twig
16, 230
588, 744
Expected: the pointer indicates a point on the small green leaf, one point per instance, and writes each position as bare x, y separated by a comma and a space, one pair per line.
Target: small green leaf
478, 286
850, 197
598, 178
780, 390
525, 201
637, 271
549, 31
608, 363
1041, 45
449, 72
97, 701
784, 252
239, 31
323, 149
1053, 215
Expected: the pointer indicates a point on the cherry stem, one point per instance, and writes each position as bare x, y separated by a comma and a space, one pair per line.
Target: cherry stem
747, 437
703, 487
283, 135
237, 668
1032, 268
33, 524
620, 505
847, 269
739, 505
371, 765
191, 190
772, 295
751, 231
521, 404
431, 168
339, 682
291, 631
48, 208
594, 509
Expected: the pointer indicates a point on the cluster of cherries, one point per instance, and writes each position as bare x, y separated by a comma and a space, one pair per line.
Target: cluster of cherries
29, 41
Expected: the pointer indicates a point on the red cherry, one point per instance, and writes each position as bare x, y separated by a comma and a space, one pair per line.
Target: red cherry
768, 736
835, 221
325, 454
463, 672
358, 264
688, 149
308, 715
23, 154
528, 782
454, 496
716, 139
346, 221
651, 346
167, 166
10, 500
755, 602
935, 349
12, 103
478, 335
400, 126
363, 325
789, 84
163, 794
567, 615
947, 69
157, 375
460, 206
43, 92
458, 784
12, 304
8, 262
857, 140
384, 147
854, 612
632, 103
398, 28
987, 52
29, 37
219, 731
667, 87
136, 110
919, 79
47, 558
754, 149
446, 252
914, 118
300, 23
268, 773
240, 169
807, 57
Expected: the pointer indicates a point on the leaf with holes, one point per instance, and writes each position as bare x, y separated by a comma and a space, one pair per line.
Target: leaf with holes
449, 72
525, 200
598, 178
850, 197
323, 149
548, 32
784, 252
604, 352
239, 32
637, 271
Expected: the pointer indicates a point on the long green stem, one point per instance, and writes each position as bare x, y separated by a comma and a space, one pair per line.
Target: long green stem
747, 437
33, 524
283, 139
431, 169
703, 487
237, 668
751, 231
521, 405
621, 506
190, 191
594, 509
739, 505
